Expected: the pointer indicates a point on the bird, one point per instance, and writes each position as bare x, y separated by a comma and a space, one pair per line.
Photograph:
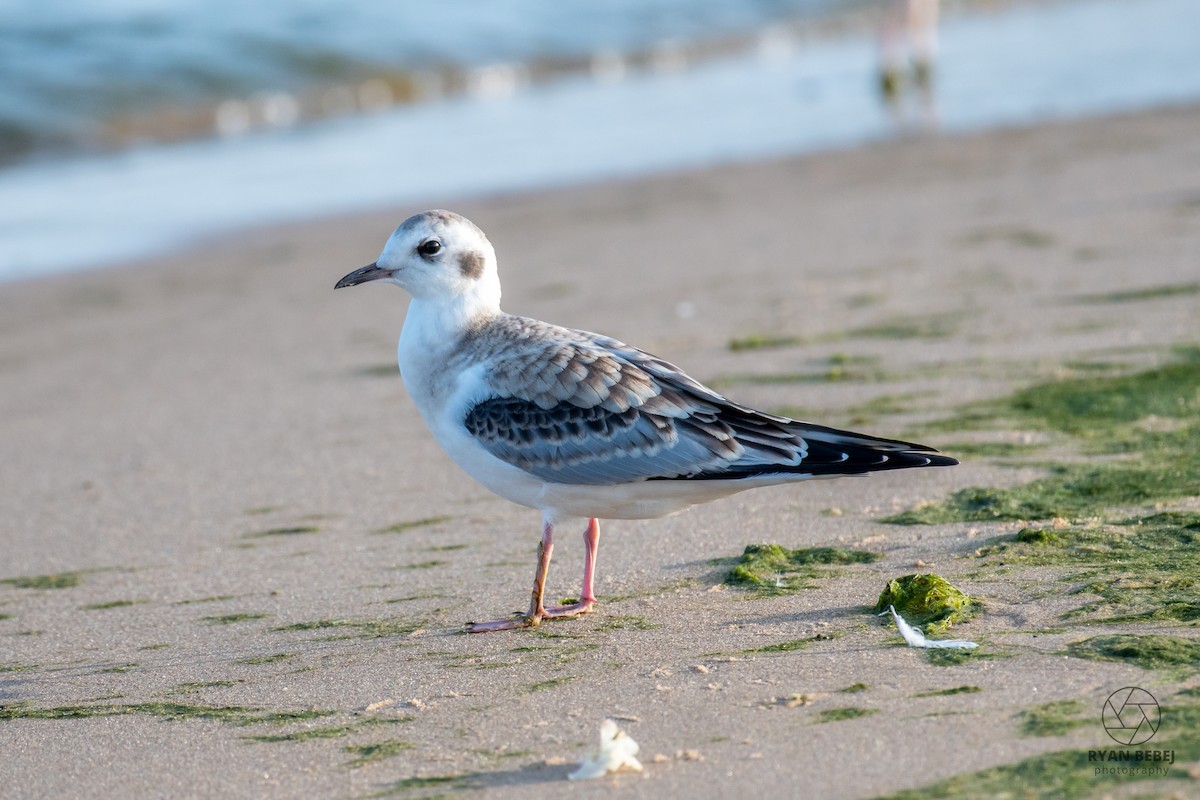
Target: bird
579, 425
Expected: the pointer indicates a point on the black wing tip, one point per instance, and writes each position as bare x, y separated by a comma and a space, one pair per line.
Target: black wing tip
867, 460
892, 460
936, 459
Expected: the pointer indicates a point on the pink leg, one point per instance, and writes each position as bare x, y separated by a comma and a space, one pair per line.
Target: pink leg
587, 595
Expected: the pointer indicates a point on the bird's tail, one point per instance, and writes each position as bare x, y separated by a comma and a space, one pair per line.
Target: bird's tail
835, 452
829, 452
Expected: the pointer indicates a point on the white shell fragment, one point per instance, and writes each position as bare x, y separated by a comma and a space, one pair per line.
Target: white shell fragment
617, 752
917, 639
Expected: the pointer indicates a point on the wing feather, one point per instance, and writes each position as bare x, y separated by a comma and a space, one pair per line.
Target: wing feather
574, 407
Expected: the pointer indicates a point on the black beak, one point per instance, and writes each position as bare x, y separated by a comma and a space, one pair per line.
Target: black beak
371, 272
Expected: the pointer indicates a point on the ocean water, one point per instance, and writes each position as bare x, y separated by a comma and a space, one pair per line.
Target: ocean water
101, 74
295, 110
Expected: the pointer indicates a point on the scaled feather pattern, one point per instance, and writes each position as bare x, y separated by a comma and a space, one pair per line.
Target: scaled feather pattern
576, 407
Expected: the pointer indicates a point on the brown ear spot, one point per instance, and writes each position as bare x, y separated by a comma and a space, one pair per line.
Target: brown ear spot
471, 265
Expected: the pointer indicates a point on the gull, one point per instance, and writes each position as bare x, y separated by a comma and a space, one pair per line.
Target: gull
576, 424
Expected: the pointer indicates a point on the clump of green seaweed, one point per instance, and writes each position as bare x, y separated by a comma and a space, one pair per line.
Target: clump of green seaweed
774, 569
927, 600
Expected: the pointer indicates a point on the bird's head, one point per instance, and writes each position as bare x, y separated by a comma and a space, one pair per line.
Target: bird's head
435, 255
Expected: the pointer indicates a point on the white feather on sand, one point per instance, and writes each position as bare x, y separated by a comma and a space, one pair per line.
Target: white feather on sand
917, 639
617, 752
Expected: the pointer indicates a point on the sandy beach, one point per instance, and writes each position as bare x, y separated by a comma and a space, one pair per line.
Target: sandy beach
236, 564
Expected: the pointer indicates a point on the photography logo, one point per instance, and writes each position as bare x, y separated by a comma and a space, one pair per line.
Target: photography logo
1131, 716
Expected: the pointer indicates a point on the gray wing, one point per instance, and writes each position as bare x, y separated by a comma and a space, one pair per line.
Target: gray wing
574, 407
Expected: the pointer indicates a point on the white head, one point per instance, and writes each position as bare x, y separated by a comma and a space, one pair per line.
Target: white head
439, 256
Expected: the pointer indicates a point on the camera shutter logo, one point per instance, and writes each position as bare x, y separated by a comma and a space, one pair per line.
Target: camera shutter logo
1131, 716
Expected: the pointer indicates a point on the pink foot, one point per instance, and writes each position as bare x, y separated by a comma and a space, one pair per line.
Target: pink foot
569, 611
512, 624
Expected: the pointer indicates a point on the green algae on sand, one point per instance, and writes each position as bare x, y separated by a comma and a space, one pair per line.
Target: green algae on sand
1142, 294
928, 600
783, 647
376, 751
1150, 651
774, 569
1073, 490
329, 732
109, 604
232, 619
235, 715
1055, 718
763, 341
949, 692
442, 783
905, 327
844, 713
57, 580
1150, 419
1071, 774
355, 628
408, 525
1138, 568
294, 530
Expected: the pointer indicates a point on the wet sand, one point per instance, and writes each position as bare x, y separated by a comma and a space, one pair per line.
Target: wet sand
235, 512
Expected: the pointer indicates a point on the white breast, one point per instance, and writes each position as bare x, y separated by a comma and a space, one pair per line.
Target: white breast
443, 396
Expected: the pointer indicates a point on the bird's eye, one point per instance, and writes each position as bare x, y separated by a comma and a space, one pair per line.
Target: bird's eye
429, 248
